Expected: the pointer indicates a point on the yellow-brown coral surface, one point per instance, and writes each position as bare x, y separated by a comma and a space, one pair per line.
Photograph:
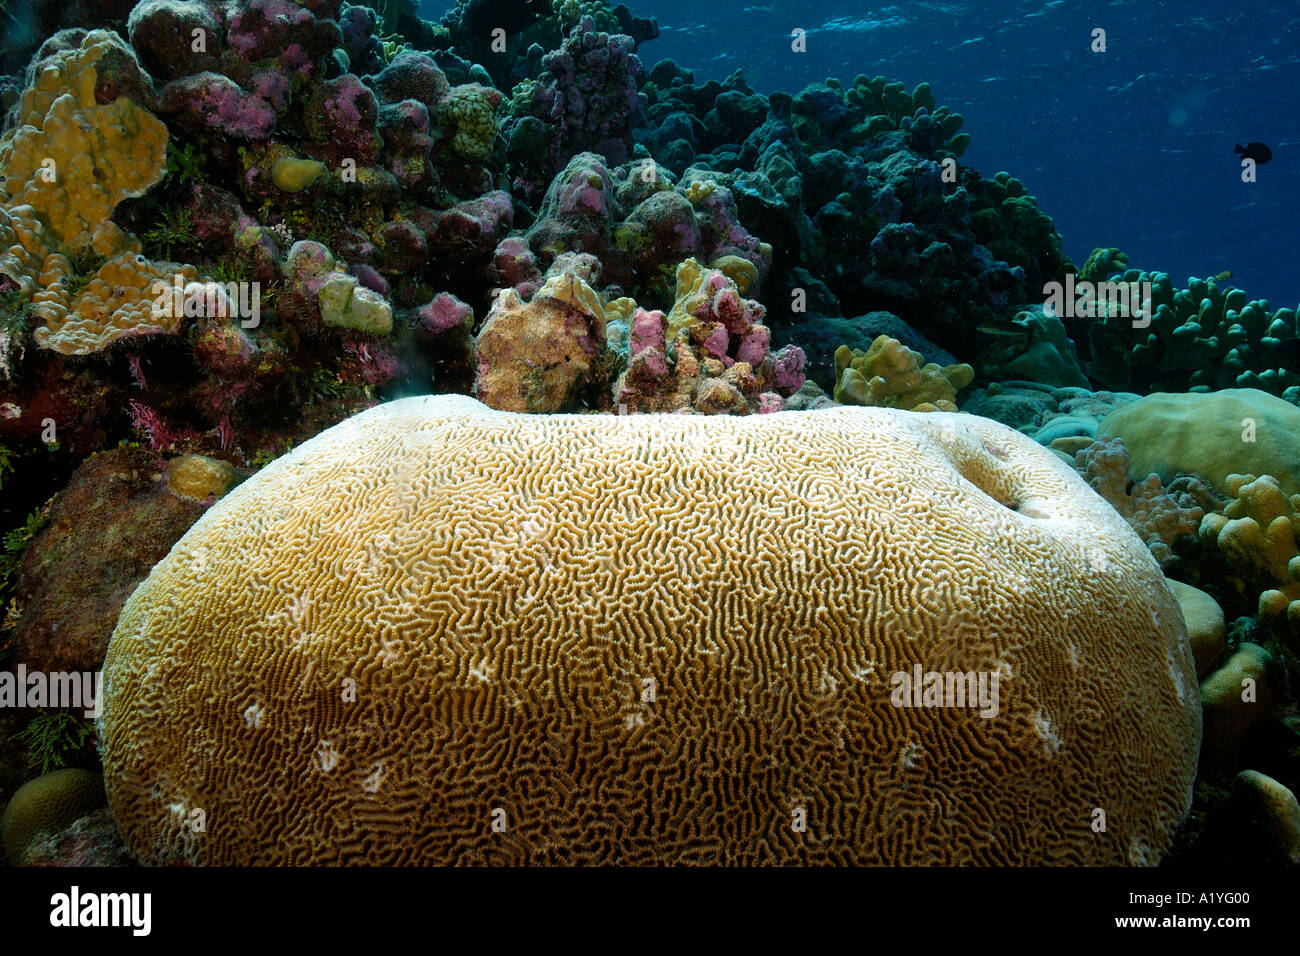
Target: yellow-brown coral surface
437, 633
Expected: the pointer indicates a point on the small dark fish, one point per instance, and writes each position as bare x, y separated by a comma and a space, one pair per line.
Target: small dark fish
1256, 151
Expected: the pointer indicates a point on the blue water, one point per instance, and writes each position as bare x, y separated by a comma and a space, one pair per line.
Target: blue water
1128, 148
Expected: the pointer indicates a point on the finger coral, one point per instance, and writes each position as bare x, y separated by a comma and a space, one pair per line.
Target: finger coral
1259, 536
437, 633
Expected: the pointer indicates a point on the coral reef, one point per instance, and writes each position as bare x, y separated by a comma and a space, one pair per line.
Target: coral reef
227, 227
1273, 810
866, 165
547, 354
585, 99
1048, 414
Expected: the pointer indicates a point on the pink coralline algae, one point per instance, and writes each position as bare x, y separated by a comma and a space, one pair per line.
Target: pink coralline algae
718, 360
216, 102
350, 114
444, 313
469, 230
515, 266
279, 28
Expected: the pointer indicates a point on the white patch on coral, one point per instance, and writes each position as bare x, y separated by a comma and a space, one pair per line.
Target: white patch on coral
1176, 675
372, 783
910, 755
1043, 726
483, 671
253, 714
327, 756
299, 608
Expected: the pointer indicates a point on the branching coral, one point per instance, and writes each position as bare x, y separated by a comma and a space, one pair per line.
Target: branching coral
1206, 336
1160, 517
1258, 534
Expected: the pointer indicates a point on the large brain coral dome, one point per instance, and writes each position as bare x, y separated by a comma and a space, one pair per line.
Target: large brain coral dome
438, 633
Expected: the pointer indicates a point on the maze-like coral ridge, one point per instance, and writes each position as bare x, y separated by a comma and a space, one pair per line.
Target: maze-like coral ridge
437, 633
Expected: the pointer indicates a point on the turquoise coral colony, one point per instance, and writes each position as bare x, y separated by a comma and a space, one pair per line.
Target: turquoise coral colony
288, 285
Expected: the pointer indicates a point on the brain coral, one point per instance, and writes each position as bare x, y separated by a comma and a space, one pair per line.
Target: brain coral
48, 803
440, 633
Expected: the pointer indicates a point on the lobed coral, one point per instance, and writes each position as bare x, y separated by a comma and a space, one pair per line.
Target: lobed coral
890, 374
1258, 534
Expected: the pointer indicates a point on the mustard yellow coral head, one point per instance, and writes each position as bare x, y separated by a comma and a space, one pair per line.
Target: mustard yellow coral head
72, 158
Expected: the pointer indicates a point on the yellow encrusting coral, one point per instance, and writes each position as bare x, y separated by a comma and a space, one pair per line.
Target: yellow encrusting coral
121, 299
66, 166
198, 476
73, 159
294, 175
24, 246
